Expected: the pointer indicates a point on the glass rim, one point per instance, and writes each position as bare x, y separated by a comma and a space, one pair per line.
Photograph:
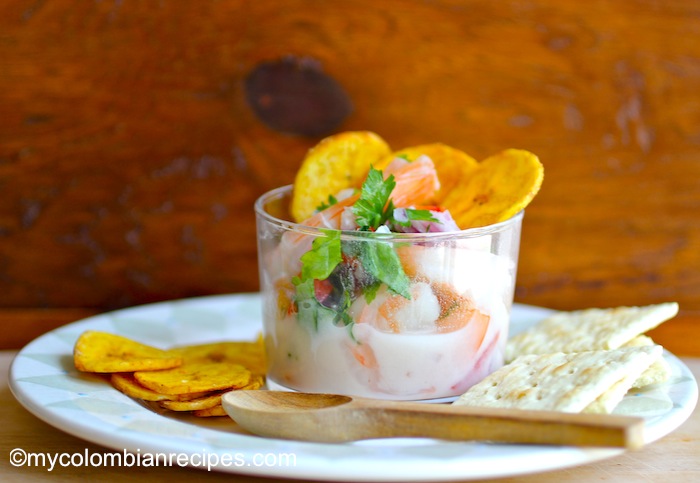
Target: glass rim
475, 232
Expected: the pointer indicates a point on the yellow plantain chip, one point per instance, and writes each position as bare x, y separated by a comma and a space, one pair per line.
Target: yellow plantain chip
126, 383
452, 165
103, 352
195, 376
256, 382
337, 162
248, 354
502, 186
209, 400
211, 412
204, 402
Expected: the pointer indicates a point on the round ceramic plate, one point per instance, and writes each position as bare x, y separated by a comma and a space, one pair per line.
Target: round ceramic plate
43, 379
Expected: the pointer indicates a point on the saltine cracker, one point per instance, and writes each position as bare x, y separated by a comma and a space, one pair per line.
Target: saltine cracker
593, 381
589, 329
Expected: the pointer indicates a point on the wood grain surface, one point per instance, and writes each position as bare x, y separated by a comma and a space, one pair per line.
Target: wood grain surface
132, 145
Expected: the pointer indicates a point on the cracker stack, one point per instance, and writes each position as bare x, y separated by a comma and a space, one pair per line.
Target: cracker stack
581, 361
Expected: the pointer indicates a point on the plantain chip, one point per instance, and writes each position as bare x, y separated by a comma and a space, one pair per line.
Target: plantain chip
195, 376
127, 384
103, 352
248, 354
501, 186
211, 412
337, 162
256, 382
204, 402
210, 399
451, 164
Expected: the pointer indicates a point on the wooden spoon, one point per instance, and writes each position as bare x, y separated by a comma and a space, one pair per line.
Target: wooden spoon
331, 418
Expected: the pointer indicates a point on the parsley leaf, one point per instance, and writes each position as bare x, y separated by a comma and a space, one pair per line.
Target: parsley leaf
318, 264
324, 256
373, 208
380, 260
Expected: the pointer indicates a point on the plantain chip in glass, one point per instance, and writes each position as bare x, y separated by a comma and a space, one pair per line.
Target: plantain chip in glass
502, 186
451, 164
337, 162
102, 352
195, 376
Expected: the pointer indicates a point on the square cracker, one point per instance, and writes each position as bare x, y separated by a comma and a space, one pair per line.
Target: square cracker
659, 371
592, 381
589, 329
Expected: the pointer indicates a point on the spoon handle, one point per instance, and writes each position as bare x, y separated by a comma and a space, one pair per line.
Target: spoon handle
462, 423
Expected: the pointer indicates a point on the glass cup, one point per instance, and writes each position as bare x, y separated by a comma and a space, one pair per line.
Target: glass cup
414, 316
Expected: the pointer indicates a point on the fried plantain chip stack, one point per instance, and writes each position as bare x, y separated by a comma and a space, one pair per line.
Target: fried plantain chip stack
477, 193
188, 378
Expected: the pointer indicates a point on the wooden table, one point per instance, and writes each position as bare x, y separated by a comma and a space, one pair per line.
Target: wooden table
676, 454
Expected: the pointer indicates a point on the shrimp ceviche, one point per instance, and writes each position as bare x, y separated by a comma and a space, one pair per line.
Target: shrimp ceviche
380, 293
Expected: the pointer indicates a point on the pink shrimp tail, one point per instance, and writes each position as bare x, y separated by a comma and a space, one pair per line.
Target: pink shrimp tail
417, 181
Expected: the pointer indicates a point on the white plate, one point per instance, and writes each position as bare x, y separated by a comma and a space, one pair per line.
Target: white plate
43, 379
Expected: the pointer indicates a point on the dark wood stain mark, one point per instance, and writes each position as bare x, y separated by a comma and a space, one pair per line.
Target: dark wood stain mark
294, 96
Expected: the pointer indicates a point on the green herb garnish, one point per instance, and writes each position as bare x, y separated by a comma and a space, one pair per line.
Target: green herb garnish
317, 264
374, 207
324, 256
415, 215
330, 259
309, 310
380, 260
331, 201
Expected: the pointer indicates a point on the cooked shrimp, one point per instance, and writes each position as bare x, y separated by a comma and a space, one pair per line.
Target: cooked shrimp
363, 354
417, 181
390, 312
332, 216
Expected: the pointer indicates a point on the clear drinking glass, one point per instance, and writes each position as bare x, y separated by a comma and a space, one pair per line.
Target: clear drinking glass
430, 325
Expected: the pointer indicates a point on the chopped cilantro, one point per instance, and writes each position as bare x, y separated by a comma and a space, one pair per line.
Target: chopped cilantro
331, 201
307, 306
415, 215
371, 292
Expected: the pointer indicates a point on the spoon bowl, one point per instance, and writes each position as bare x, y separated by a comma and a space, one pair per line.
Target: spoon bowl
281, 401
